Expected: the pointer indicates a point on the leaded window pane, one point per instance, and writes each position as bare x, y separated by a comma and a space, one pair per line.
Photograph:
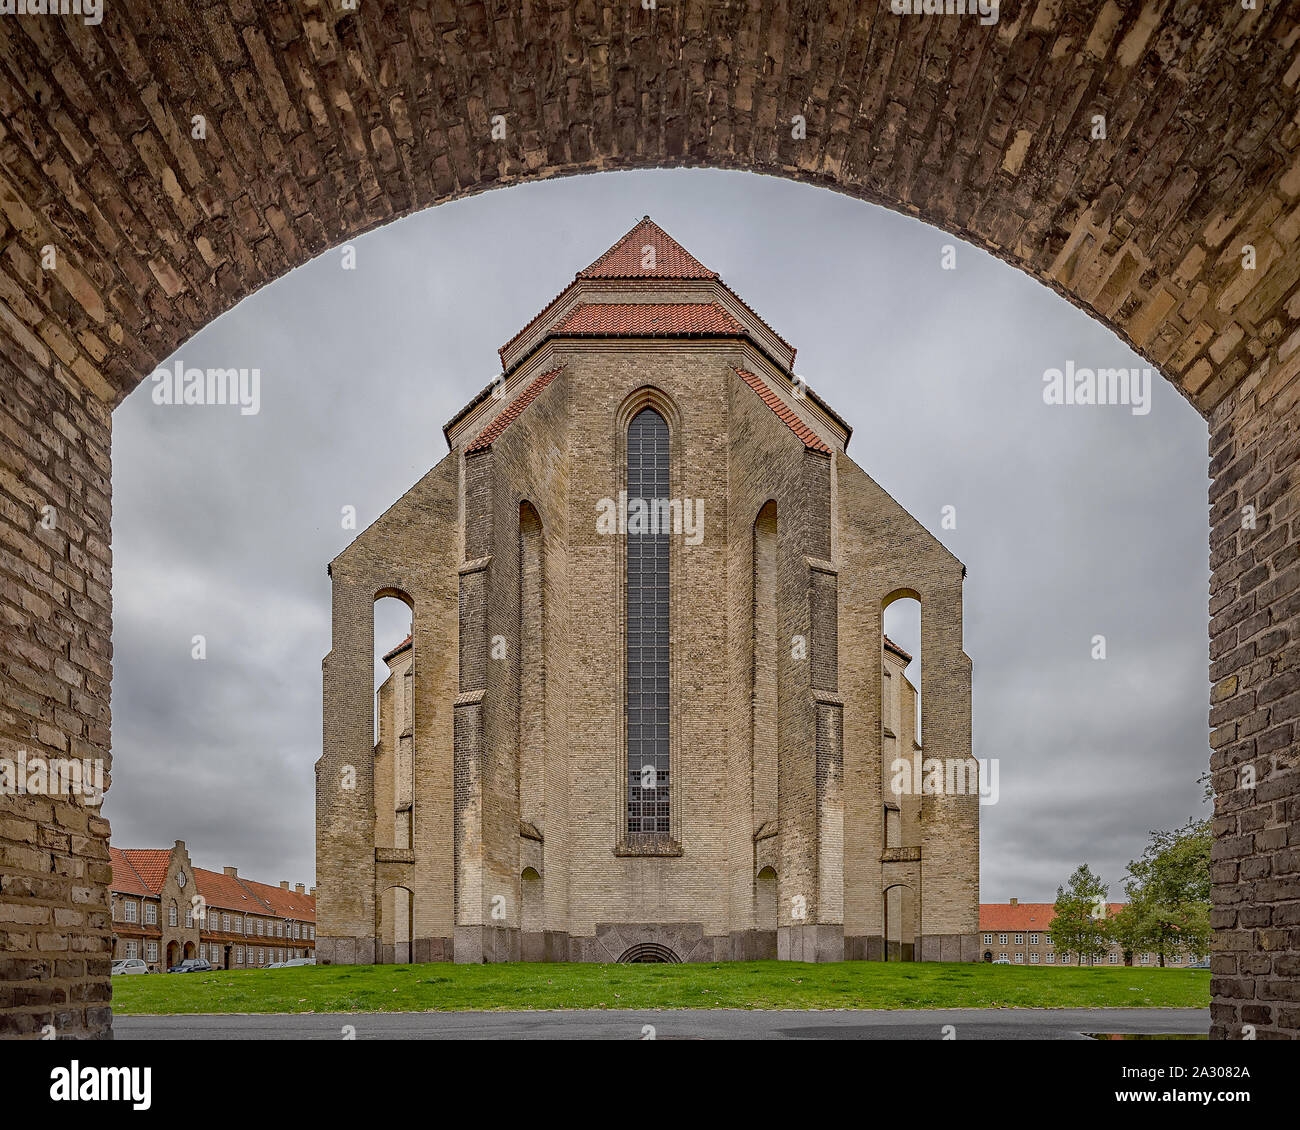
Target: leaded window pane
647, 629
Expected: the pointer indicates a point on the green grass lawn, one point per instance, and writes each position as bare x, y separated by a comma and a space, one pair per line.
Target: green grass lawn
756, 984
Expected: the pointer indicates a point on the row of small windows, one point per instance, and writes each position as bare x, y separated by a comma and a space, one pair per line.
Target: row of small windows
1112, 957
237, 924
1050, 959
132, 949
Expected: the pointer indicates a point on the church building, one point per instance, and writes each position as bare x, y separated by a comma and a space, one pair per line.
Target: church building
647, 710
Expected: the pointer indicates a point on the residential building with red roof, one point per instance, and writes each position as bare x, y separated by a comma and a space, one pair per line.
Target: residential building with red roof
1020, 932
164, 910
646, 710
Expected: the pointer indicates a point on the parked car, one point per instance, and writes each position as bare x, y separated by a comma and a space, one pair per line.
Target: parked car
299, 961
1200, 964
129, 965
192, 965
276, 965
1001, 961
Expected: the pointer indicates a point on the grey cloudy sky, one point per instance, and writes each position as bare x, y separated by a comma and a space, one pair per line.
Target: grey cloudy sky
1072, 521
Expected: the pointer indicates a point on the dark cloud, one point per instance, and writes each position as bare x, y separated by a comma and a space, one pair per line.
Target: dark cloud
1073, 522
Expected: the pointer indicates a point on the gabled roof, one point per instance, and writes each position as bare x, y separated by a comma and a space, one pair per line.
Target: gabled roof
151, 865
226, 892
284, 903
647, 251
627, 261
126, 878
604, 300
1024, 915
511, 412
784, 414
652, 319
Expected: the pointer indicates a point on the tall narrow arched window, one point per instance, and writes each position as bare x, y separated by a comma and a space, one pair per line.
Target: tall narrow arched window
647, 625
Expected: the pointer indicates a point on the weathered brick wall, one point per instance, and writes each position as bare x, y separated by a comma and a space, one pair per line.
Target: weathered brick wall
406, 553
55, 664
1255, 711
883, 551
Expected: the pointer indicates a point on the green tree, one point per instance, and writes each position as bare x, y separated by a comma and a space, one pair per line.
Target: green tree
1083, 923
1169, 892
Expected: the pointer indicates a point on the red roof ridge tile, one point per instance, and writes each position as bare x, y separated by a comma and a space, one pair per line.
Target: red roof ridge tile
892, 646
400, 647
783, 413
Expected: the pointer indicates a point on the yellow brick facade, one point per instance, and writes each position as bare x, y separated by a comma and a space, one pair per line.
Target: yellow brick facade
490, 820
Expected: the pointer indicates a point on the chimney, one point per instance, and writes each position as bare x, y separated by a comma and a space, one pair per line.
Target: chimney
298, 887
233, 872
313, 892
284, 884
1015, 902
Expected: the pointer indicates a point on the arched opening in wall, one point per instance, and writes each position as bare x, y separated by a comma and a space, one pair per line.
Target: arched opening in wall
900, 719
900, 910
530, 670
647, 583
765, 916
173, 949
652, 953
764, 666
188, 951
396, 925
532, 903
859, 451
901, 669
394, 720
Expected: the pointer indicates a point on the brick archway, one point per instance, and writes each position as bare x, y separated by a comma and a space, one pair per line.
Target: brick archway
123, 232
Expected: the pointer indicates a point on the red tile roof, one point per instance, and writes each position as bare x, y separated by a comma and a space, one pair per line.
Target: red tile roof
783, 413
511, 412
1024, 915
151, 865
285, 904
626, 258
892, 646
399, 648
225, 891
653, 319
126, 879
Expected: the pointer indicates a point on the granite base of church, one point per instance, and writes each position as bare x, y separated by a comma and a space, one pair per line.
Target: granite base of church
628, 942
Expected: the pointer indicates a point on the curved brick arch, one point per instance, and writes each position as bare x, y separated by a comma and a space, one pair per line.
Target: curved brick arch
321, 124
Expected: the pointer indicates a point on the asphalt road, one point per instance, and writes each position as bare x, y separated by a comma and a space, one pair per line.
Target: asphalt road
682, 1024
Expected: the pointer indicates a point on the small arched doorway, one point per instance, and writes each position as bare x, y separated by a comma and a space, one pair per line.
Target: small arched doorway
649, 953
396, 910
900, 922
189, 949
172, 955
